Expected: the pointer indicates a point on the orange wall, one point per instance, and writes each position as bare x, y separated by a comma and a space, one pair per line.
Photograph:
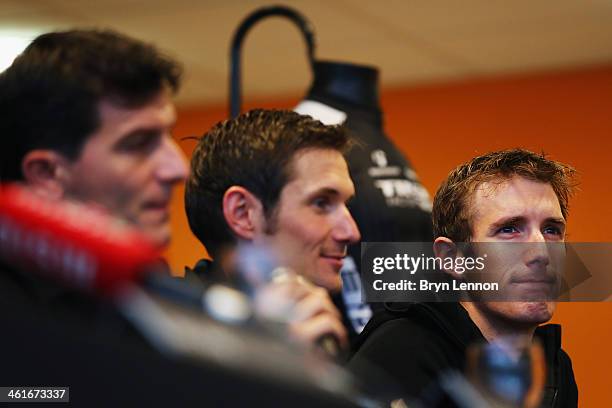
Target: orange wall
566, 114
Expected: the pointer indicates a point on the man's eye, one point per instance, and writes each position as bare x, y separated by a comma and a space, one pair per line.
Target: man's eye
322, 203
508, 229
552, 230
138, 143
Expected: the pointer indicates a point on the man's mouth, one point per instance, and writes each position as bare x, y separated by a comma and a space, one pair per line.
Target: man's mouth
536, 288
542, 280
160, 207
157, 204
336, 260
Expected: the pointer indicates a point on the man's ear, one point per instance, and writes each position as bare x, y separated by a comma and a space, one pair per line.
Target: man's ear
445, 248
46, 172
243, 212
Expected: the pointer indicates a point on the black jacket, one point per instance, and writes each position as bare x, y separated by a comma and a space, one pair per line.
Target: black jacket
55, 336
412, 344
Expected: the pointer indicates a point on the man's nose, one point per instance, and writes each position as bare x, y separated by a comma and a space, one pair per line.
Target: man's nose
537, 252
172, 166
536, 236
346, 230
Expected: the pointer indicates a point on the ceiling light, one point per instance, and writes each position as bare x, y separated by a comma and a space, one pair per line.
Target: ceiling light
12, 43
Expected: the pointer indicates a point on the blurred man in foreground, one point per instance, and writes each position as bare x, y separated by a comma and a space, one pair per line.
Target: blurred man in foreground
87, 116
509, 197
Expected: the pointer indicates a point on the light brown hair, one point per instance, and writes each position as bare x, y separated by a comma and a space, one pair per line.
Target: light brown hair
450, 214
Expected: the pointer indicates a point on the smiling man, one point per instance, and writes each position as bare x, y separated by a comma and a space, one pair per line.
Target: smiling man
277, 180
515, 202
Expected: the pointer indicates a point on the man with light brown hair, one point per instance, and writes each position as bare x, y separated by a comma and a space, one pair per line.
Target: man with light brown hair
504, 198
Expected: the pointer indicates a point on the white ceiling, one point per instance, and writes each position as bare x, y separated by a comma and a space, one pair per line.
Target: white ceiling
410, 41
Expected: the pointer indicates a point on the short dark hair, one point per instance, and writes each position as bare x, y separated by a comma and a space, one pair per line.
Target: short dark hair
255, 151
49, 96
451, 218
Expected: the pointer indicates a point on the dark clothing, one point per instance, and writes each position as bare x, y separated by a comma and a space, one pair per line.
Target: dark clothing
205, 271
54, 336
414, 343
91, 316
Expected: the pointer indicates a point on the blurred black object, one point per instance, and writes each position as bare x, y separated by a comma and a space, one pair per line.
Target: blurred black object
61, 338
416, 343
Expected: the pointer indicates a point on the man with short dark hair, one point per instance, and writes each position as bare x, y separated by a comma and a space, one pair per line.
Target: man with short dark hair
507, 197
278, 180
87, 115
